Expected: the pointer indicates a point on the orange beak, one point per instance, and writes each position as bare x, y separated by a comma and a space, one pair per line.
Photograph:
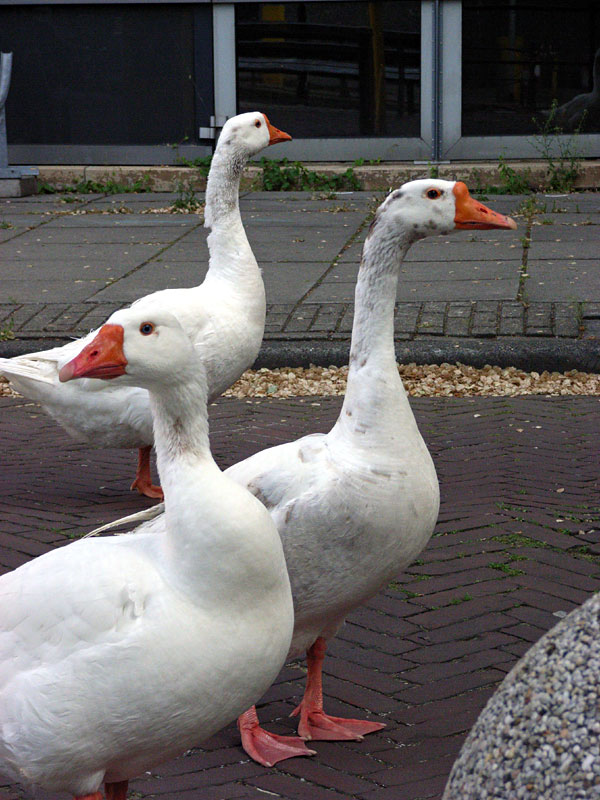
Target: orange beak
275, 135
471, 214
103, 357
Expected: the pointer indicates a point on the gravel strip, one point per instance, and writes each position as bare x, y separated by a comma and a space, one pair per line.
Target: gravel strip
420, 380
445, 380
539, 735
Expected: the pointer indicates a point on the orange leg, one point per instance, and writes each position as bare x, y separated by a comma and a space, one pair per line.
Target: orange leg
116, 791
268, 748
314, 722
143, 480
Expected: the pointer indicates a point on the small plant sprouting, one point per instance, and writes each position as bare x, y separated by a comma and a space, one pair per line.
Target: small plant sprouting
560, 153
186, 199
5, 225
289, 176
458, 600
110, 186
200, 164
7, 331
513, 182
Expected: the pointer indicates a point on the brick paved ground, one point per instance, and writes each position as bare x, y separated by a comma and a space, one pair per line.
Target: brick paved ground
517, 546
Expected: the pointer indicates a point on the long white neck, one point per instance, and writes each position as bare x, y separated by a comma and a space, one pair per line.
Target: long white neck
187, 472
375, 404
231, 257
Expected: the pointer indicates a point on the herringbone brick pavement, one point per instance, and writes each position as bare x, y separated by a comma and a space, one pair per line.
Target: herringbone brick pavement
517, 546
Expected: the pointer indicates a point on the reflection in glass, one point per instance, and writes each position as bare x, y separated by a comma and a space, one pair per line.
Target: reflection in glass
331, 68
521, 57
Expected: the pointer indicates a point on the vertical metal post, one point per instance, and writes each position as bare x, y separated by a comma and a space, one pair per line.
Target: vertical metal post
436, 67
5, 71
224, 62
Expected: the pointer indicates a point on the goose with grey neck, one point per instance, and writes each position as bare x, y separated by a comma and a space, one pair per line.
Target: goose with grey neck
224, 316
356, 505
119, 653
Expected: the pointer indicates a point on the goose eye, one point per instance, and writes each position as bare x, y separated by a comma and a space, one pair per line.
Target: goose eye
433, 194
258, 123
146, 328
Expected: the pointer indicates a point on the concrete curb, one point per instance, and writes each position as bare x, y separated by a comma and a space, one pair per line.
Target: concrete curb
553, 355
373, 177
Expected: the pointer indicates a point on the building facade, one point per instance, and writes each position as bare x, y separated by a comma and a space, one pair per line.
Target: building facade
112, 82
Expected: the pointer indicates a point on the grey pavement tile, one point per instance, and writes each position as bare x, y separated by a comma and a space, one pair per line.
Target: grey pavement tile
51, 270
153, 277
289, 282
343, 272
187, 250
126, 220
303, 221
144, 199
11, 232
566, 250
466, 251
484, 245
44, 291
504, 288
24, 220
119, 234
590, 201
564, 232
288, 244
570, 218
563, 281
496, 289
92, 254
434, 271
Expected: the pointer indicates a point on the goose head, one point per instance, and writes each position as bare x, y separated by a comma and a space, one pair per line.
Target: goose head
248, 134
145, 346
428, 207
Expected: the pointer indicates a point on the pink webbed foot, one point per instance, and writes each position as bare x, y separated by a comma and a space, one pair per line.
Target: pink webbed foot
143, 482
314, 723
268, 748
317, 725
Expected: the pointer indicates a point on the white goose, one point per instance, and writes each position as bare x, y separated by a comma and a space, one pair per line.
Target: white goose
120, 653
225, 316
356, 505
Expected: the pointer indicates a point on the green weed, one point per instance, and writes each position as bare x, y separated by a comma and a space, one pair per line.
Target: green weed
7, 331
289, 176
503, 567
186, 199
200, 164
458, 600
561, 153
109, 186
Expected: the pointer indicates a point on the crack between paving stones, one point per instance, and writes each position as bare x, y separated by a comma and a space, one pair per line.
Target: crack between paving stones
51, 217
319, 281
147, 261
521, 294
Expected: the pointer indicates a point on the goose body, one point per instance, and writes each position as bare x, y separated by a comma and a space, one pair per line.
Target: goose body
224, 316
356, 505
119, 653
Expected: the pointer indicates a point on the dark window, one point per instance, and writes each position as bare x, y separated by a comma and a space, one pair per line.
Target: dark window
332, 69
101, 74
519, 57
